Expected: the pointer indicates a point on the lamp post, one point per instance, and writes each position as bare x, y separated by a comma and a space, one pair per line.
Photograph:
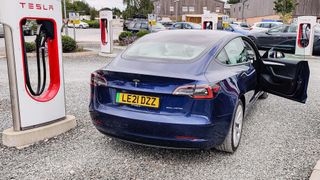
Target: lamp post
243, 3
176, 1
65, 17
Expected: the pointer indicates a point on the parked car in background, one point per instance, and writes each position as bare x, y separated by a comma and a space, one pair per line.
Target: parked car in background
156, 28
1, 31
82, 25
264, 26
126, 24
142, 24
189, 89
185, 25
138, 24
243, 25
283, 38
237, 29
30, 28
167, 25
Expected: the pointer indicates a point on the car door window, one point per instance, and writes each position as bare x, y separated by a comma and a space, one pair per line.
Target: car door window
235, 52
187, 26
144, 26
137, 25
317, 30
266, 25
251, 54
178, 26
293, 29
278, 29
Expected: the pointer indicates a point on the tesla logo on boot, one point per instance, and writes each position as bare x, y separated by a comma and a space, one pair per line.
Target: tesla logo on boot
35, 6
136, 81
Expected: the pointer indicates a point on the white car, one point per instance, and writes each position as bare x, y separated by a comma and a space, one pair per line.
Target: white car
82, 25
243, 25
264, 26
1, 31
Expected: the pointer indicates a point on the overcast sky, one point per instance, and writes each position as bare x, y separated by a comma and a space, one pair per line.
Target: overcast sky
98, 4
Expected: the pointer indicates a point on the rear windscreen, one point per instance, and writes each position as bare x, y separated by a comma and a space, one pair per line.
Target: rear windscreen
168, 48
164, 50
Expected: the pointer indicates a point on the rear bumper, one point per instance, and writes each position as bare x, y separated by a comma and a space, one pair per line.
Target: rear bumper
170, 132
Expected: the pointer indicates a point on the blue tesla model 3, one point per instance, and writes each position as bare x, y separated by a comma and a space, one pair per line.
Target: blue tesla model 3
189, 89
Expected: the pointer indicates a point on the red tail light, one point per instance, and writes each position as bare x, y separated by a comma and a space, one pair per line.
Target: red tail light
98, 80
198, 91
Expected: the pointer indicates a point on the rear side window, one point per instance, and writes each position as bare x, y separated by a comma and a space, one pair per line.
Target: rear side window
236, 52
265, 25
223, 57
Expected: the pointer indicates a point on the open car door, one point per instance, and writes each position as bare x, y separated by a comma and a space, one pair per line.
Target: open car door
285, 78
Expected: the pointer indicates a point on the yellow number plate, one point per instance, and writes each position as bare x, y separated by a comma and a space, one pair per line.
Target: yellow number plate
138, 100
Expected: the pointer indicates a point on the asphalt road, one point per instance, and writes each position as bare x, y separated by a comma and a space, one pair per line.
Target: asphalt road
281, 140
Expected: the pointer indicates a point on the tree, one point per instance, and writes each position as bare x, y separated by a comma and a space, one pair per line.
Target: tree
116, 12
285, 9
233, 1
93, 14
81, 7
137, 7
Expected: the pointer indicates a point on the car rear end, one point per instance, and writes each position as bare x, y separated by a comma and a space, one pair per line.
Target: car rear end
158, 103
159, 111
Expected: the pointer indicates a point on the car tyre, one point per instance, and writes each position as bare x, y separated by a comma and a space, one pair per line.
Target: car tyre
81, 27
232, 140
264, 95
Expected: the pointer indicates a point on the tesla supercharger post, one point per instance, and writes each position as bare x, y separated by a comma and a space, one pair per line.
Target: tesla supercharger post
305, 35
38, 111
209, 21
106, 32
152, 21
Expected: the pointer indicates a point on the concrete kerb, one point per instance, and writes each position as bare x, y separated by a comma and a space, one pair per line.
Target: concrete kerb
112, 55
22, 139
316, 172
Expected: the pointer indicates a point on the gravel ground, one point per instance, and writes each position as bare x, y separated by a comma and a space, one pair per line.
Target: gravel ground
280, 141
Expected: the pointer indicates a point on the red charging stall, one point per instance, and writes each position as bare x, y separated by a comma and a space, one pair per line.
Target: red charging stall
37, 97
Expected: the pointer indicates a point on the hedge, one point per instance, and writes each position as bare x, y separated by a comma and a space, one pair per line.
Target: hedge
124, 35
68, 44
142, 33
30, 46
92, 23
